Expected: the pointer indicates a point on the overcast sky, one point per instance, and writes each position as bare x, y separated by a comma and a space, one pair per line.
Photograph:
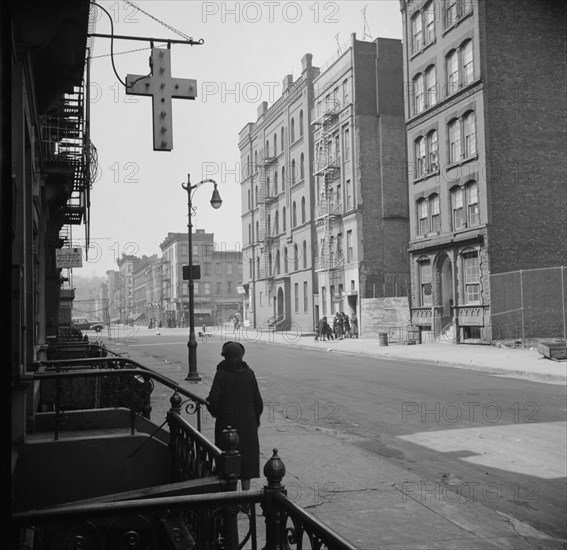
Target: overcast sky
248, 48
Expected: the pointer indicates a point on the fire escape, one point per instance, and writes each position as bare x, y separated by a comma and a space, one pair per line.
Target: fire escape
265, 238
329, 207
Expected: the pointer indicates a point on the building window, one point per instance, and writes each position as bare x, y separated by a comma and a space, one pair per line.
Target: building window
457, 206
419, 94
324, 300
249, 203
261, 298
296, 296
422, 217
349, 194
293, 174
282, 139
434, 207
471, 269
218, 268
268, 186
417, 32
468, 66
277, 222
207, 288
425, 292
269, 227
283, 178
275, 145
305, 297
258, 266
207, 268
346, 145
345, 92
303, 214
283, 219
455, 10
250, 268
420, 157
292, 130
454, 141
432, 152
469, 124
278, 263
429, 16
267, 148
295, 257
339, 246
349, 249
301, 123
257, 232
285, 259
473, 212
195, 288
302, 166
430, 86
294, 214
452, 72
229, 268
304, 254
256, 195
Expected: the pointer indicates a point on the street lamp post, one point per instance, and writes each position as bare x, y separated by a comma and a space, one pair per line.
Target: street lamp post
216, 202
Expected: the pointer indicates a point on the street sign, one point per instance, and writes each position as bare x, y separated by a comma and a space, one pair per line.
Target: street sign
68, 257
196, 272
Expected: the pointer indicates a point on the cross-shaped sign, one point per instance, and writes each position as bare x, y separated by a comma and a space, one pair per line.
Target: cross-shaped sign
162, 87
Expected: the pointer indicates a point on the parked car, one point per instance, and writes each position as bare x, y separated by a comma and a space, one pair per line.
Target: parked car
82, 323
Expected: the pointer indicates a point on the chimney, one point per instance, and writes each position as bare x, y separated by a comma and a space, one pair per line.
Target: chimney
262, 108
287, 82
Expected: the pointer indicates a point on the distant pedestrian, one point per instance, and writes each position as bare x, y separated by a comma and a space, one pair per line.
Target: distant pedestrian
354, 325
338, 326
323, 330
346, 325
234, 400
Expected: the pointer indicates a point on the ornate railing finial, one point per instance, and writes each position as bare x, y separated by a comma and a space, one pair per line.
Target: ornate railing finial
274, 470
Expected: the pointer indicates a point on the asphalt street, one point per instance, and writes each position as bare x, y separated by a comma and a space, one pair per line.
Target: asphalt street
396, 454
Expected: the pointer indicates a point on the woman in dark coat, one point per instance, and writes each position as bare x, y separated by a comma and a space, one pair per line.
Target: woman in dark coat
235, 401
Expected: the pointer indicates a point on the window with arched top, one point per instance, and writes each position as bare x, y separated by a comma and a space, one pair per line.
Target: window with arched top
292, 175
432, 152
257, 235
267, 152
469, 133
454, 130
417, 32
294, 215
256, 194
255, 161
283, 219
422, 217
419, 148
277, 222
458, 208
275, 182
302, 166
282, 139
430, 84
435, 212
452, 62
467, 61
301, 123
269, 228
295, 257
249, 233
292, 139
275, 145
304, 254
418, 94
303, 213
473, 210
285, 259
278, 267
283, 178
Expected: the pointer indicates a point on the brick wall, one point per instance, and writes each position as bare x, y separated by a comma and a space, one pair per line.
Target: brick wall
524, 46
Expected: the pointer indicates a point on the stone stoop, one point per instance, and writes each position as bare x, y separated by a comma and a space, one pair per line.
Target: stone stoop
448, 336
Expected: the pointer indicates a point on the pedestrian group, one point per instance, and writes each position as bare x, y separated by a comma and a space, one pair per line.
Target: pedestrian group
342, 327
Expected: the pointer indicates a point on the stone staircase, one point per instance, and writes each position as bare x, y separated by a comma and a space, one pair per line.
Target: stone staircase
448, 335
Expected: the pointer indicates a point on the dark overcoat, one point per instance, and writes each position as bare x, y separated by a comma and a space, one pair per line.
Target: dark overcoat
235, 401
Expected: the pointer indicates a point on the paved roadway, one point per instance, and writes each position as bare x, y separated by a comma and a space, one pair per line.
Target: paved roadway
396, 454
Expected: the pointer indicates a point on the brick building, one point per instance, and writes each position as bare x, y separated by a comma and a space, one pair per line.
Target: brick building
216, 297
324, 202
361, 198
277, 207
485, 107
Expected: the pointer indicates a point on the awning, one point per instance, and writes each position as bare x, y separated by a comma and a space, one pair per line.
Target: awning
138, 316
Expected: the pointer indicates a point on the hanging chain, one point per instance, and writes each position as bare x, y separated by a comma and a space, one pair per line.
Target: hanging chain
173, 29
